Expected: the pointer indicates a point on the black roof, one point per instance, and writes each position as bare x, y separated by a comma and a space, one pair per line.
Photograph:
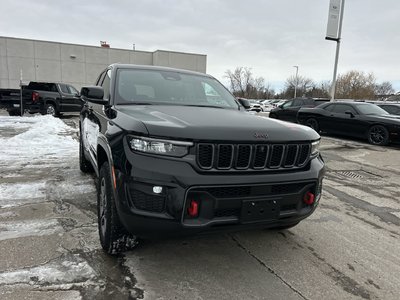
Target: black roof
156, 68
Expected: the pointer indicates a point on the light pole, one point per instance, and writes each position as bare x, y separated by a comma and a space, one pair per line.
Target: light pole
295, 87
334, 33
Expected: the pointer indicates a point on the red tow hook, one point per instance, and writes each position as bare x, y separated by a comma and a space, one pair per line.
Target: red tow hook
193, 209
309, 198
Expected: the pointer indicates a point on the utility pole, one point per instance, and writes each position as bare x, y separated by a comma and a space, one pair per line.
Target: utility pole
334, 33
297, 80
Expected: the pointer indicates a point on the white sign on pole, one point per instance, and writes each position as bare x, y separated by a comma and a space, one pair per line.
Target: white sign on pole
333, 20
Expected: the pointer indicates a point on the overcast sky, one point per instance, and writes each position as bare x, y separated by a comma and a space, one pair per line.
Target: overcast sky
270, 36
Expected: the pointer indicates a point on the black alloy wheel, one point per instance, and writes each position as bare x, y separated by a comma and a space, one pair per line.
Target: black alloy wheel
114, 238
378, 135
313, 123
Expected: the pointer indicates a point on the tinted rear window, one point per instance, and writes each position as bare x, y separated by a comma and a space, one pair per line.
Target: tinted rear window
49, 87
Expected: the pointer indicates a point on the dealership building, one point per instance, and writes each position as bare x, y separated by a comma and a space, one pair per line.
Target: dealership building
78, 65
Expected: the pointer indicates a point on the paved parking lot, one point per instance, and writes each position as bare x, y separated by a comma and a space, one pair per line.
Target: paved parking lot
348, 249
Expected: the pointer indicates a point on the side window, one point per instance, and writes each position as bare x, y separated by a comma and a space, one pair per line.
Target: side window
63, 88
390, 109
287, 104
342, 108
298, 102
330, 107
72, 90
106, 84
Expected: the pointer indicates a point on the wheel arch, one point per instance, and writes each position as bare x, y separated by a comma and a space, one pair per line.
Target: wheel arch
104, 154
51, 101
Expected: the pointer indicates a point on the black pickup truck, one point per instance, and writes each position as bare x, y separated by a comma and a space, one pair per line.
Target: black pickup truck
41, 97
175, 153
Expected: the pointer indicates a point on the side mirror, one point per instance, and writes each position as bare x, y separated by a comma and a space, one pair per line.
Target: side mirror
244, 102
94, 94
347, 112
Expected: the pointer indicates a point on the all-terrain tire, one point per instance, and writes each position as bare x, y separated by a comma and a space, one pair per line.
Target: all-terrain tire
113, 237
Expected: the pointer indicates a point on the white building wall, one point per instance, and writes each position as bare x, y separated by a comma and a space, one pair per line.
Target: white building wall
78, 65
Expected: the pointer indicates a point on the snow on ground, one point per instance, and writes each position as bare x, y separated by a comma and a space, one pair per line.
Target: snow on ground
39, 139
74, 270
9, 192
17, 229
39, 164
36, 142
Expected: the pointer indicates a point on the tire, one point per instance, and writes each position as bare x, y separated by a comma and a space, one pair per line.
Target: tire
283, 227
114, 238
313, 123
378, 135
51, 110
84, 164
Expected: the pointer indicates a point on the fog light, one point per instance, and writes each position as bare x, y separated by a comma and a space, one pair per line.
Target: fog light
309, 198
157, 189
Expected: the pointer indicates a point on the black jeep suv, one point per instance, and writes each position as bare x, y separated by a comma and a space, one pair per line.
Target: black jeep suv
175, 153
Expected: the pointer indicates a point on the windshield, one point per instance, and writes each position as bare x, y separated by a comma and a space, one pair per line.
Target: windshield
371, 109
135, 86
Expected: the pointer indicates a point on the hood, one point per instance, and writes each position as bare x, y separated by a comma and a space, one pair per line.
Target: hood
204, 123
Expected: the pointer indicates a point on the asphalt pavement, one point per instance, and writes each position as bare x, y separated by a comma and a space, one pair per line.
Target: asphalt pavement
348, 249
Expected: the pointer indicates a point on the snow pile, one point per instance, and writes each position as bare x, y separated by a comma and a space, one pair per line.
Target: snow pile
20, 191
42, 138
16, 229
72, 271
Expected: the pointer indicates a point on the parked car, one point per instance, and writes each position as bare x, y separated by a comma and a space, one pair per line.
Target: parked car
288, 110
42, 97
355, 119
170, 162
391, 108
255, 105
267, 105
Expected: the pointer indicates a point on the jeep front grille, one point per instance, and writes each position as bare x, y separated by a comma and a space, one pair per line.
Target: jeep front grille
252, 156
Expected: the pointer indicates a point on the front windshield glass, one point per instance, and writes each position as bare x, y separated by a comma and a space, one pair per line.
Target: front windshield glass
135, 86
371, 109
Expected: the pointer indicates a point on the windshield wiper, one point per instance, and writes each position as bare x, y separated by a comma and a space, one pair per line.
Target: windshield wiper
198, 105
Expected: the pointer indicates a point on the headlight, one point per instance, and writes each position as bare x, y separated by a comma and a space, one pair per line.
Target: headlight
162, 147
314, 148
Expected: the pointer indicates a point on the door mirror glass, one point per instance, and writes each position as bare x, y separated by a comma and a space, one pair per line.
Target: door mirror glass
93, 94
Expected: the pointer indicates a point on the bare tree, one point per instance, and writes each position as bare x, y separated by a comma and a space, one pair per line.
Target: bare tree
355, 85
304, 85
320, 90
383, 89
244, 84
239, 79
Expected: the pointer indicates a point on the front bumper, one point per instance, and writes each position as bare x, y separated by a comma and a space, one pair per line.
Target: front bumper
223, 198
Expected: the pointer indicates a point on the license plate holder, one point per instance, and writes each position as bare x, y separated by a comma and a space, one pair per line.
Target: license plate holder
259, 210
